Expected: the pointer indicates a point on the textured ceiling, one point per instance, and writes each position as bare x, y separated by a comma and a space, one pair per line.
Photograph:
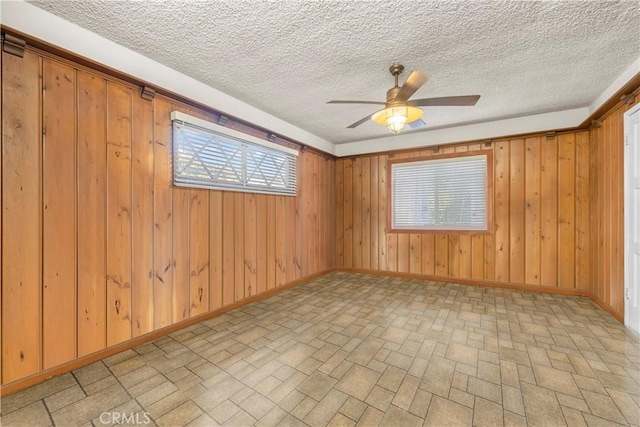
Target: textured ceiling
289, 57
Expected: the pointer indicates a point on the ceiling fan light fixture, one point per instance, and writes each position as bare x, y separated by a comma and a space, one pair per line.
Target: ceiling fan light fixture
397, 118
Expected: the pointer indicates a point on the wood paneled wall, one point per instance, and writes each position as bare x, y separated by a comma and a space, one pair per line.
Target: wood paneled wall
541, 217
607, 206
98, 247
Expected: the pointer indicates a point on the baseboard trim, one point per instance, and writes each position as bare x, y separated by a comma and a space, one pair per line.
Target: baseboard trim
606, 307
22, 383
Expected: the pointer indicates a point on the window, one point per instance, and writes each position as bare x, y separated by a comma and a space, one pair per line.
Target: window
443, 193
206, 155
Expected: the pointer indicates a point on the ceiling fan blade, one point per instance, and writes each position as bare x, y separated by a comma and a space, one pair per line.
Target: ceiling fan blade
359, 122
355, 102
417, 124
468, 100
415, 80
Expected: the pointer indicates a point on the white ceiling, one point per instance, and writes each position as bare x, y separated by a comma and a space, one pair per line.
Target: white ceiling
287, 58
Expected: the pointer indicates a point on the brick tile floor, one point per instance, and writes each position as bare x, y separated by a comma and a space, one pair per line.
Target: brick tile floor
352, 349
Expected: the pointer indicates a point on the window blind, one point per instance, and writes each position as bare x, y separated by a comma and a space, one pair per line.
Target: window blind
206, 155
445, 194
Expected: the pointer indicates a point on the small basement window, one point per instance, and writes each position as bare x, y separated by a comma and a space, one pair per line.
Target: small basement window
448, 192
206, 155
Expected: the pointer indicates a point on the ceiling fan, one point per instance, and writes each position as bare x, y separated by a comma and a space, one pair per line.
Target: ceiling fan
398, 110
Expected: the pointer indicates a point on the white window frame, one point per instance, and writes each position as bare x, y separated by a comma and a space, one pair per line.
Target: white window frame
260, 166
486, 228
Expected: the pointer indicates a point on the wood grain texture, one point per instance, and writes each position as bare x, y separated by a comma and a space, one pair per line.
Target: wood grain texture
549, 213
517, 239
215, 250
566, 210
147, 254
163, 215
21, 216
119, 255
582, 242
92, 187
142, 217
181, 256
502, 208
522, 246
199, 223
606, 200
250, 245
532, 211
59, 221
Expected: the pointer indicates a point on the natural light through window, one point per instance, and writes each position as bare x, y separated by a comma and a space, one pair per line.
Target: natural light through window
448, 193
211, 156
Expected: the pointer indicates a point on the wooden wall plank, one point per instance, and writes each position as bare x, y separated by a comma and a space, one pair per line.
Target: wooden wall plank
163, 215
180, 298
453, 269
465, 255
428, 254
216, 264
442, 255
415, 253
582, 179
141, 218
118, 214
250, 245
261, 242
532, 211
339, 238
271, 244
477, 257
502, 208
594, 213
617, 206
92, 187
198, 251
566, 210
21, 216
374, 211
382, 211
357, 213
307, 204
292, 220
281, 243
403, 250
549, 213
348, 213
317, 217
228, 245
59, 222
300, 207
238, 253
330, 212
517, 211
365, 231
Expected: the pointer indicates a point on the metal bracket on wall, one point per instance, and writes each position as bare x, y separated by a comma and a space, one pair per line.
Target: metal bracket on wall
628, 98
488, 143
596, 123
222, 120
551, 135
271, 137
13, 45
147, 93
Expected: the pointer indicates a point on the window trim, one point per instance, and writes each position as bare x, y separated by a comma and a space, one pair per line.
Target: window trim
242, 138
490, 198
